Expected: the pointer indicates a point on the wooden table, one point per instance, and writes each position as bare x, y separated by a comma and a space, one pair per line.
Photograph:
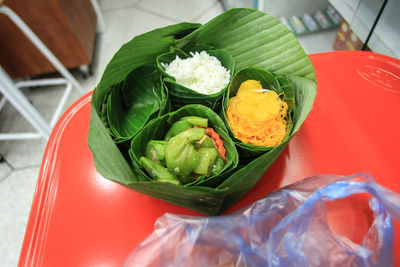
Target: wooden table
66, 27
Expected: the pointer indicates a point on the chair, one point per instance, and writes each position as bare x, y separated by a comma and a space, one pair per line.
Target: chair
11, 92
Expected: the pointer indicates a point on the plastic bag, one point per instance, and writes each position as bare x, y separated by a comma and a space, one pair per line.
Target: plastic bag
289, 227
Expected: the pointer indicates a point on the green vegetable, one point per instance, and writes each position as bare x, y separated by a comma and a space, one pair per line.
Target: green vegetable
180, 154
194, 120
206, 141
155, 151
185, 123
158, 172
187, 151
177, 128
155, 130
217, 166
207, 159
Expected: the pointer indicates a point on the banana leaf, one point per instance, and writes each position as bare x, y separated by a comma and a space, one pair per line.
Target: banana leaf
205, 200
269, 81
141, 97
142, 50
180, 94
252, 38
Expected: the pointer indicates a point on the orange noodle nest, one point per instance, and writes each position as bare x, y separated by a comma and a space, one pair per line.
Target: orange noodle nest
257, 116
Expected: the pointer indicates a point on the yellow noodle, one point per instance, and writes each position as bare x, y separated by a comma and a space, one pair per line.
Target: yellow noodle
257, 117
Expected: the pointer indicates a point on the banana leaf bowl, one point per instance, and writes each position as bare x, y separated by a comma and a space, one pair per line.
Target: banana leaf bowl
134, 99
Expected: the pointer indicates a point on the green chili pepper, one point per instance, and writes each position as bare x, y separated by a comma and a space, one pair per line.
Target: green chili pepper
155, 151
187, 153
157, 172
206, 142
194, 120
180, 154
207, 158
177, 128
217, 166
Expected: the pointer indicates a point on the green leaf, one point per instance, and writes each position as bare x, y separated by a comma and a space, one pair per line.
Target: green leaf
245, 178
254, 38
305, 91
287, 89
107, 158
140, 51
289, 98
205, 200
137, 53
131, 105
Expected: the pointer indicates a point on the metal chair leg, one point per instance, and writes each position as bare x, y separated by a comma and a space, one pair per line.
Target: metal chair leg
100, 20
11, 92
21, 103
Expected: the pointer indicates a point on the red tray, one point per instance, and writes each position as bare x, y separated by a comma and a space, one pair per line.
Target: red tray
79, 218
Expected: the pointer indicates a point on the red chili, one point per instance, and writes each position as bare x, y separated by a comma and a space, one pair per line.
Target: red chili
219, 144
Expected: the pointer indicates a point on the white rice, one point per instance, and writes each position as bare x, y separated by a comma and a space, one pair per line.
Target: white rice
201, 72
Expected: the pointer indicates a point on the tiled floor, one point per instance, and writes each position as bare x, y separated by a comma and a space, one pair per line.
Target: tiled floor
124, 19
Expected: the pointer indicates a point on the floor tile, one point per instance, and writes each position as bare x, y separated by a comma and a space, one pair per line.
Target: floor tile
106, 5
16, 194
88, 84
177, 10
123, 25
46, 100
108, 46
12, 121
5, 170
228, 4
216, 10
19, 153
26, 153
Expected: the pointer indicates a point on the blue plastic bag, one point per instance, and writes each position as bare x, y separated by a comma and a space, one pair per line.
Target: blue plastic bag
288, 227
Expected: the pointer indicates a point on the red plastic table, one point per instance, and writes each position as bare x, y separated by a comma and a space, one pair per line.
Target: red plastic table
79, 218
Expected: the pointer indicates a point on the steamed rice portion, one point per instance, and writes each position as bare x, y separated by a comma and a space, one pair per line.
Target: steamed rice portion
200, 72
